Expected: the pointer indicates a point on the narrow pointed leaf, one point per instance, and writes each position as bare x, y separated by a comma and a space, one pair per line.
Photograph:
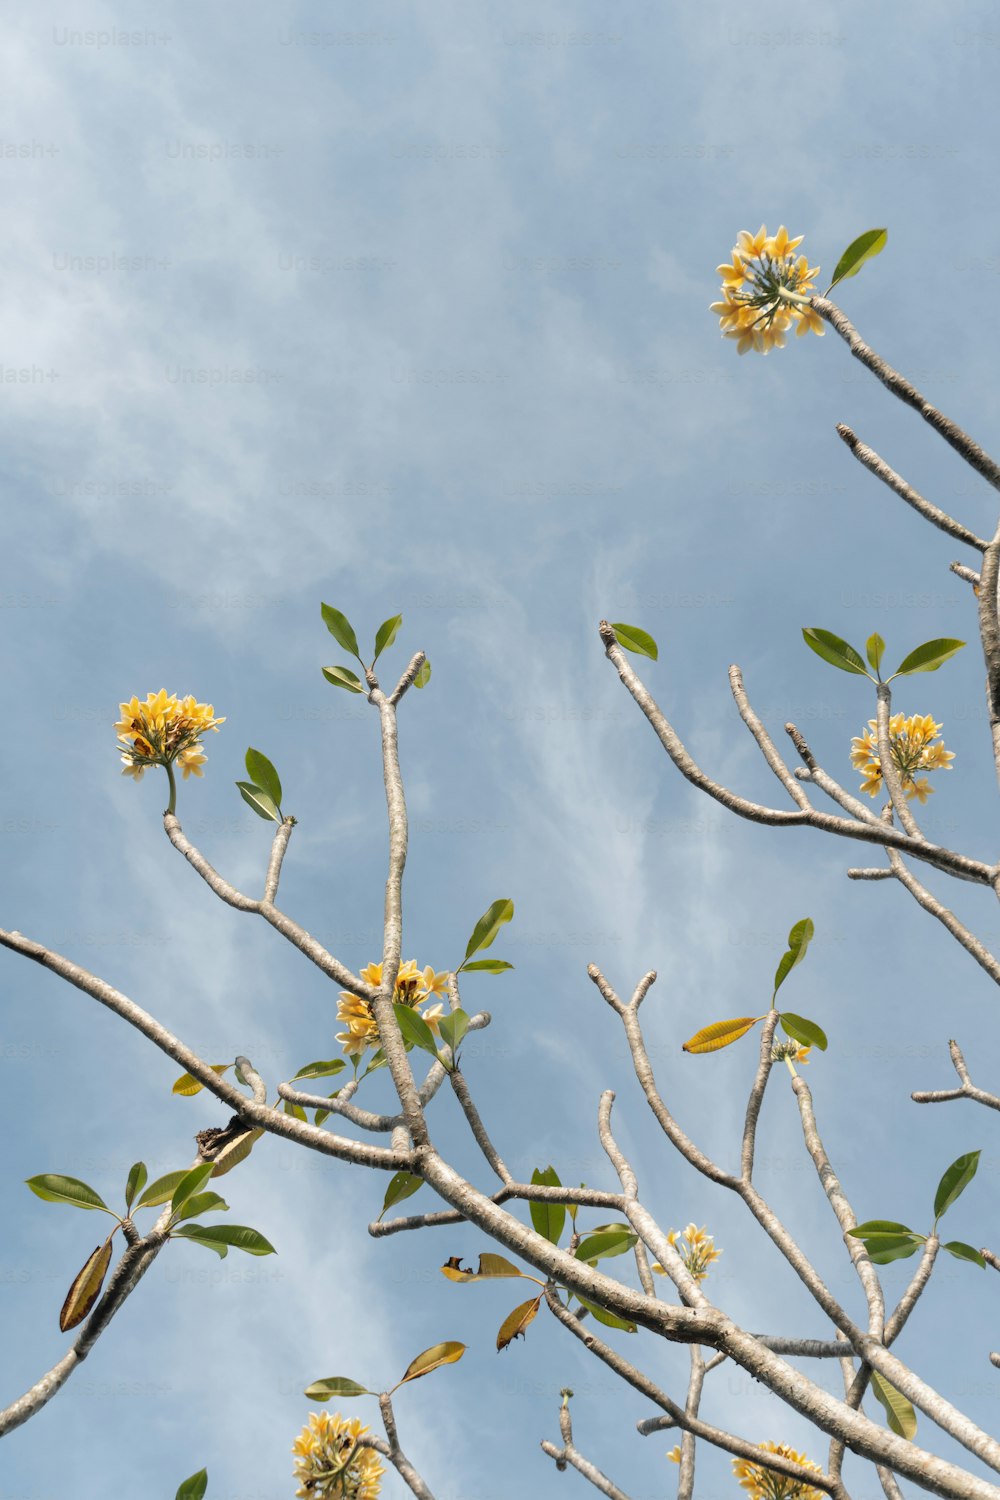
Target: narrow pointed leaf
322, 1069
799, 939
610, 1239
801, 1030
162, 1190
548, 1219
432, 1359
423, 676
962, 1251
257, 798
136, 1182
954, 1182
491, 1267
900, 1416
610, 1320
263, 774
720, 1034
335, 1385
415, 1029
343, 677
190, 1184
488, 926
239, 1236
928, 657
194, 1488
636, 640
402, 1185
874, 648
867, 245
238, 1150
86, 1288
203, 1203
832, 649
487, 966
188, 1085
53, 1187
516, 1322
386, 634
340, 628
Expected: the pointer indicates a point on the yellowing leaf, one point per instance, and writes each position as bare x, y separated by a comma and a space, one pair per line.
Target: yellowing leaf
188, 1085
432, 1359
86, 1288
230, 1156
720, 1034
490, 1266
515, 1323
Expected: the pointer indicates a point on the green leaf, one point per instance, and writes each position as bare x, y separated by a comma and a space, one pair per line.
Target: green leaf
191, 1183
322, 1069
343, 677
54, 1188
340, 628
801, 1030
295, 1111
87, 1287
874, 647
453, 1028
878, 1226
262, 804
162, 1190
263, 774
954, 1182
423, 676
236, 1235
188, 1085
432, 1359
487, 966
402, 1185
636, 640
335, 1385
386, 634
964, 1252
799, 939
610, 1320
136, 1182
488, 926
882, 1248
202, 1203
720, 1034
867, 245
415, 1029
900, 1416
548, 1219
608, 1240
928, 657
194, 1488
832, 649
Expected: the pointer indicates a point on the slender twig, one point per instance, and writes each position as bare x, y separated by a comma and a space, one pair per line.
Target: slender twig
925, 508
989, 634
968, 1089
891, 778
629, 1182
767, 745
486, 1146
569, 1454
394, 1453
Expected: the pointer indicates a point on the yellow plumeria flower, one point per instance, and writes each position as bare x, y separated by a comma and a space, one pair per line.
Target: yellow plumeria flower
911, 741
764, 291
413, 987
675, 1454
163, 731
763, 1483
698, 1253
330, 1464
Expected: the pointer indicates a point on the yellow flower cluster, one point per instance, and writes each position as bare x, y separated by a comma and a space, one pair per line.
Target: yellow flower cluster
163, 730
413, 987
697, 1254
330, 1465
755, 309
766, 1484
912, 751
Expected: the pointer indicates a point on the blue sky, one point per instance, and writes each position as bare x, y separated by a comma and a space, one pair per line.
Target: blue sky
466, 256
